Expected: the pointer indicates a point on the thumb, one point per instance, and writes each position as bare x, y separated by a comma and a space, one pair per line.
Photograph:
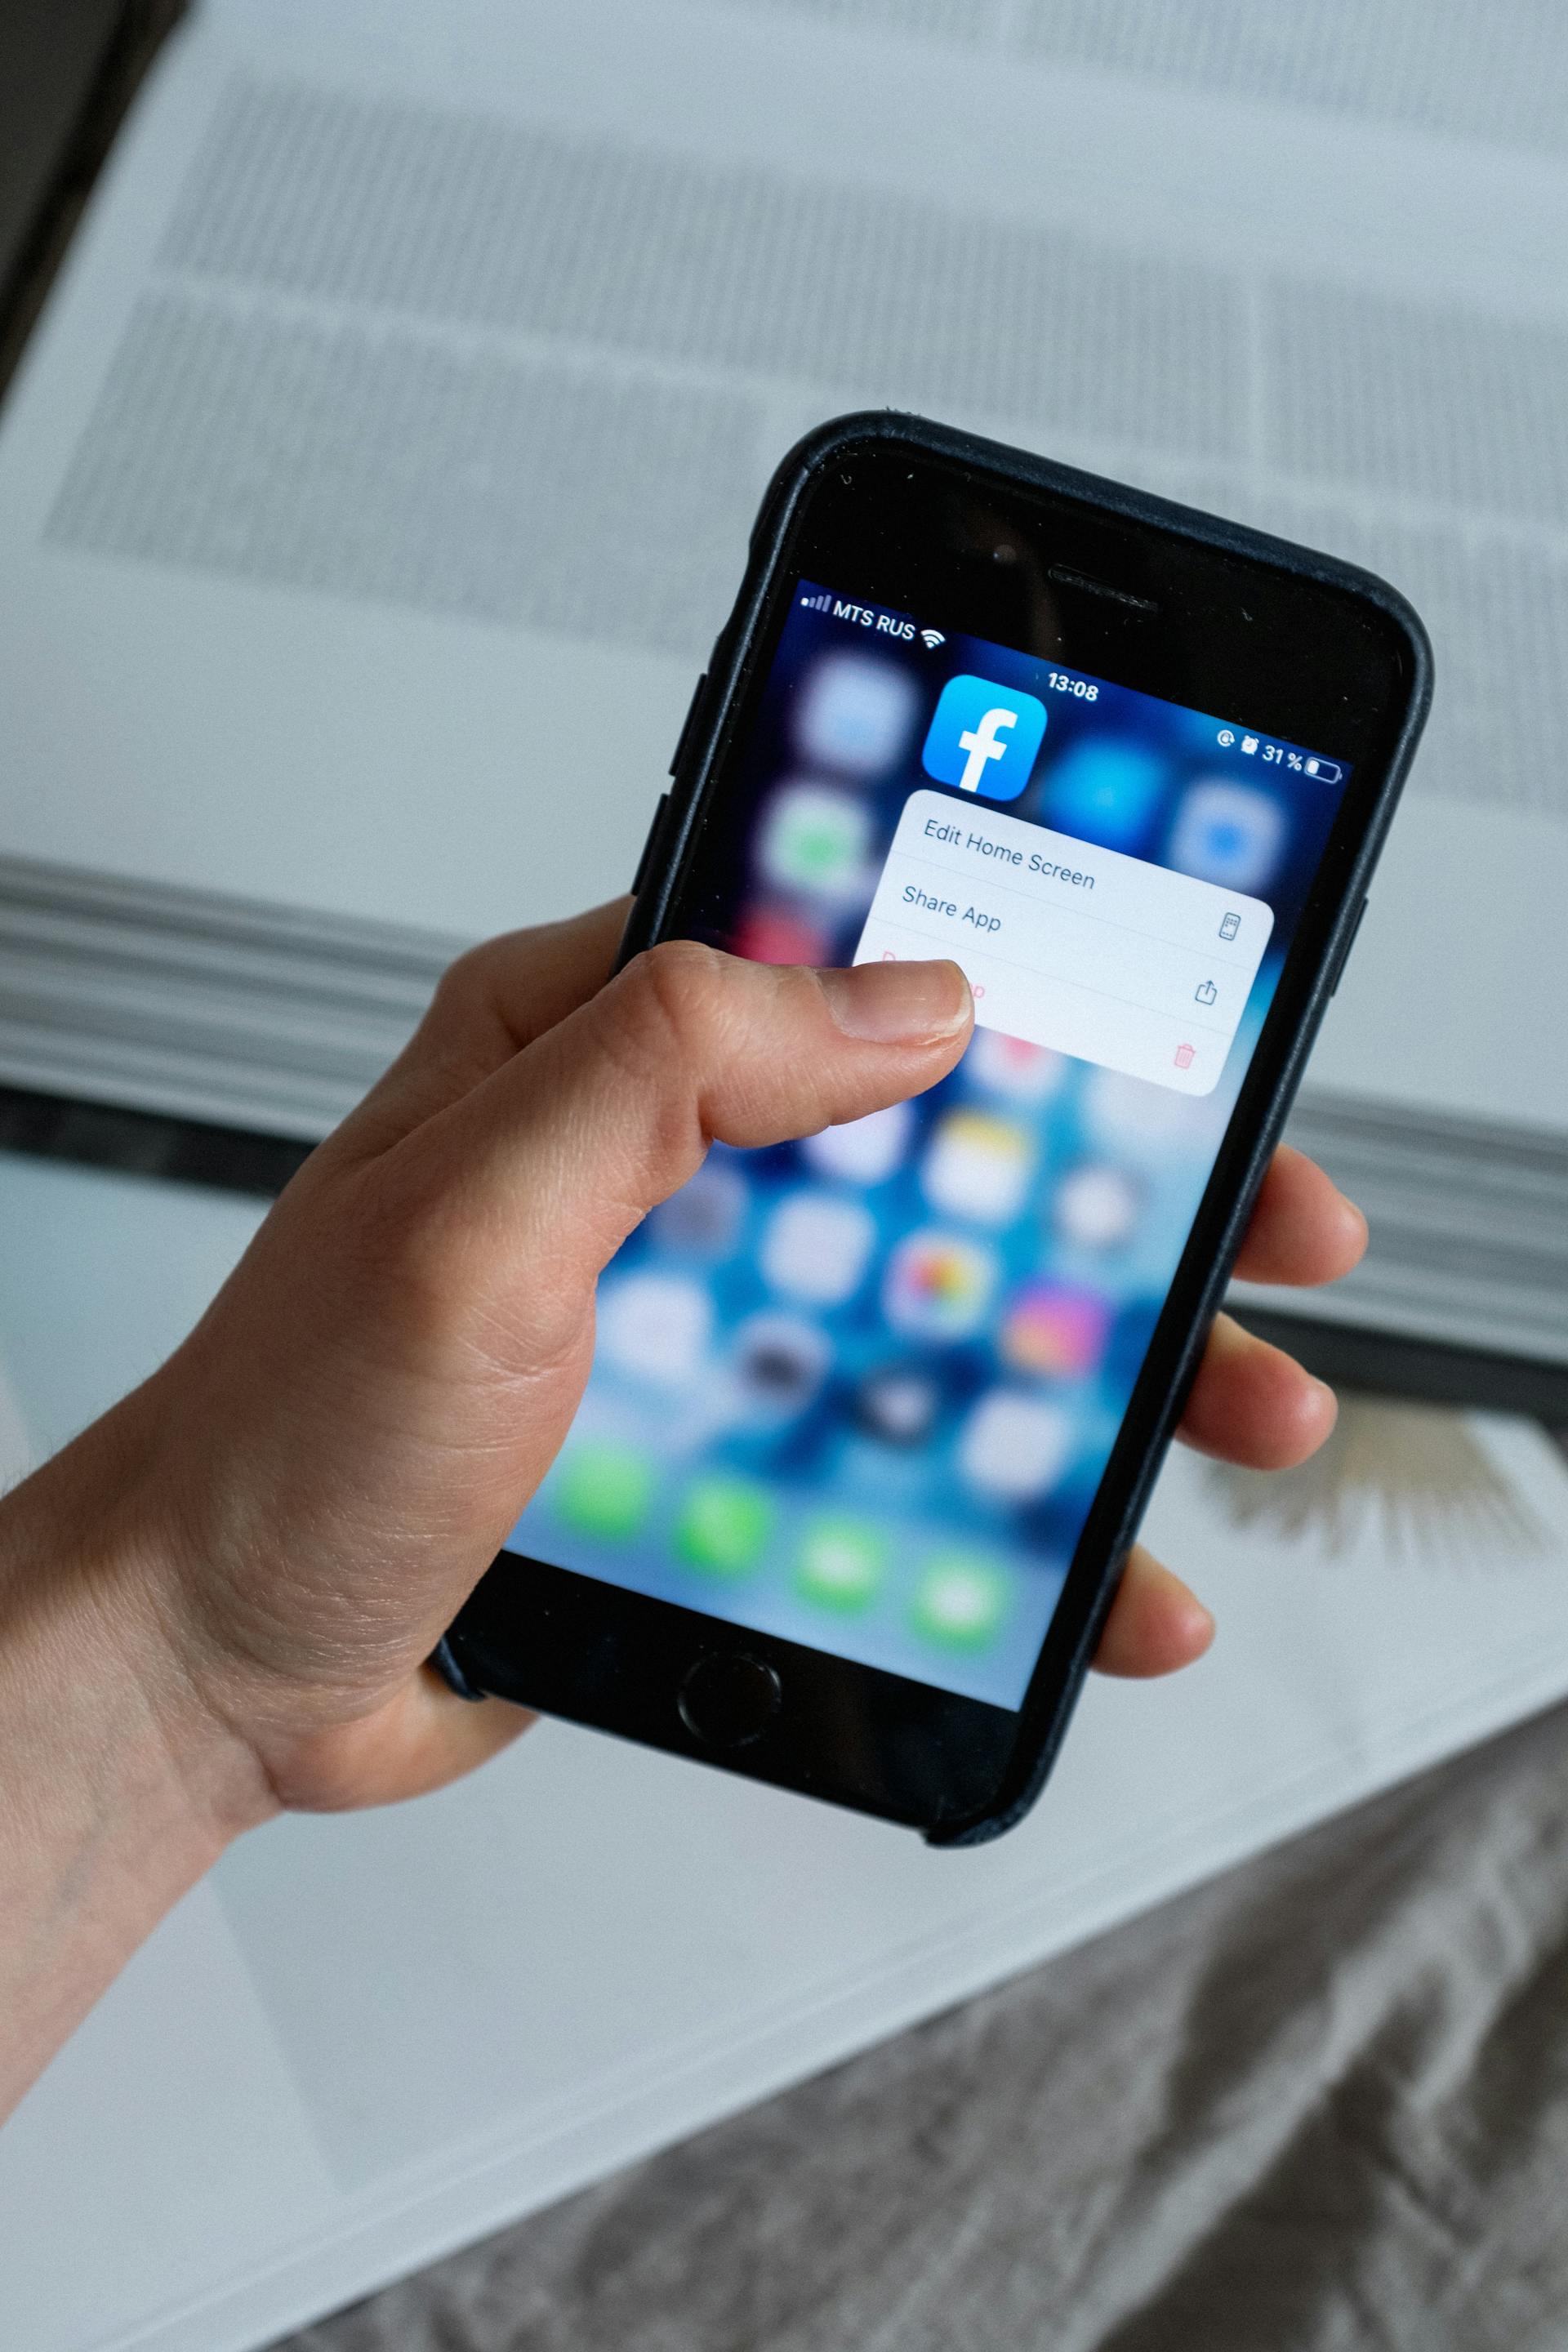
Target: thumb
555, 1158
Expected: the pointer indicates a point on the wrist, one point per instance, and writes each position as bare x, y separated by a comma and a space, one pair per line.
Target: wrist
91, 1624
117, 1788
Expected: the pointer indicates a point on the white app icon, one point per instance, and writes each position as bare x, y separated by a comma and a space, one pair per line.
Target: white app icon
863, 1150
978, 1166
1096, 1205
1136, 1116
855, 714
1228, 834
1015, 1447
817, 1247
655, 1327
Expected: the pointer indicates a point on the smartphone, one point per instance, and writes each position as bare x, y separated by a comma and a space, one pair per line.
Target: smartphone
873, 1417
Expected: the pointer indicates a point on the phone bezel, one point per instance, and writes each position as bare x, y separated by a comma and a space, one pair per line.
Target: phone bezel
898, 512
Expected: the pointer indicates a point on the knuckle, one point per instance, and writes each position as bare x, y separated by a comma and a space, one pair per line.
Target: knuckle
470, 982
675, 994
661, 1031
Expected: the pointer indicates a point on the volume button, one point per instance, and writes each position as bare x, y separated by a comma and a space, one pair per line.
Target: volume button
687, 724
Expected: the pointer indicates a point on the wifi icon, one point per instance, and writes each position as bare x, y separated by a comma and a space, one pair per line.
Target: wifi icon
931, 638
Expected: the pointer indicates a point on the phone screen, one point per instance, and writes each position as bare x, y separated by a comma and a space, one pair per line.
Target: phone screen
859, 1392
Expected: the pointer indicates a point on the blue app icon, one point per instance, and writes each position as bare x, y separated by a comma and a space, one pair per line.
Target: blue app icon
1107, 792
984, 738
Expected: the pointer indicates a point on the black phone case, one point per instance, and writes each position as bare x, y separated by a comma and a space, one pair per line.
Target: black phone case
1080, 1614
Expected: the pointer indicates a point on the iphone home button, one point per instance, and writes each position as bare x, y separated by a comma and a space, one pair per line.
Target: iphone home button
728, 1699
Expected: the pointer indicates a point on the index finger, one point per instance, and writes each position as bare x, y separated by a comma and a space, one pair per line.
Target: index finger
491, 1003
1156, 1625
1303, 1229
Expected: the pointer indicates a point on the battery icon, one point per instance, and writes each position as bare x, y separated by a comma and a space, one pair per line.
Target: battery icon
1327, 771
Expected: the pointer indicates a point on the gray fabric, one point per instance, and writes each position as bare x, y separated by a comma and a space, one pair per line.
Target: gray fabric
1320, 2104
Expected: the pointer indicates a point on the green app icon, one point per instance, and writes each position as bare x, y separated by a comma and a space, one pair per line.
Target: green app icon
960, 1601
723, 1526
605, 1491
841, 1564
815, 839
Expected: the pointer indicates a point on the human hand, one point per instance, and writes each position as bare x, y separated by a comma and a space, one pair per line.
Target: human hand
337, 1452
218, 1601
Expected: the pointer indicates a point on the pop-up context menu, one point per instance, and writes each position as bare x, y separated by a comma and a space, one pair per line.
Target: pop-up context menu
1068, 945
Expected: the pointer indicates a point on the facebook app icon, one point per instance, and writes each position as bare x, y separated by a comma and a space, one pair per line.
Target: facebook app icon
984, 738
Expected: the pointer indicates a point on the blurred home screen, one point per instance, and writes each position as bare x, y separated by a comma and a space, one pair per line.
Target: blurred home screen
859, 1392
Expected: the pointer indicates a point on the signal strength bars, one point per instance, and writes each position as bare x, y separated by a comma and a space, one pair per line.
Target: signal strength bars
822, 603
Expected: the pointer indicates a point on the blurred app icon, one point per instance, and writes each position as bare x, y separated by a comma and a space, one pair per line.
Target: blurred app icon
780, 1364
1154, 1123
898, 1404
1013, 1447
863, 1150
815, 839
960, 1601
1228, 834
939, 1285
978, 1166
1106, 791
1055, 1329
655, 1327
769, 935
707, 1213
604, 1490
841, 1564
855, 714
817, 1247
1007, 1065
1097, 1206
723, 1526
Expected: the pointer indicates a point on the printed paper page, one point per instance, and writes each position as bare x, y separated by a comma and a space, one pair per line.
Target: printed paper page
385, 465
